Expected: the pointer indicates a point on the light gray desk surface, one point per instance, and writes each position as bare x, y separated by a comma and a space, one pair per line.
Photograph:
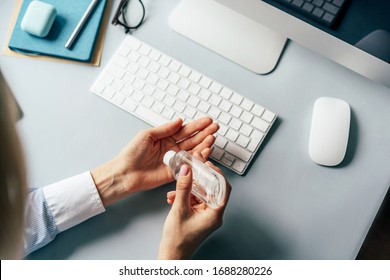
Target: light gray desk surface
285, 207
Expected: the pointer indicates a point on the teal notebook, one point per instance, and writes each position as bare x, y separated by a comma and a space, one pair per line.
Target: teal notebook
69, 12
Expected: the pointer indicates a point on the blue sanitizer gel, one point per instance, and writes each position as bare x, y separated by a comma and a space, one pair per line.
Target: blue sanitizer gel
208, 185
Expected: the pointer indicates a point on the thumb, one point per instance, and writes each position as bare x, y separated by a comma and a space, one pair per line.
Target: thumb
183, 187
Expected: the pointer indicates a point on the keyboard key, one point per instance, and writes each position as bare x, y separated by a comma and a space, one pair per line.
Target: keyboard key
193, 100
217, 153
168, 113
204, 94
232, 135
260, 124
129, 105
318, 12
158, 107
239, 165
222, 129
134, 56
246, 117
220, 142
194, 88
297, 3
183, 95
164, 60
173, 77
238, 151
330, 8
159, 95
226, 93
257, 110
224, 118
308, 7
155, 55
205, 82
328, 17
225, 105
268, 116
174, 65
190, 112
229, 157
215, 100
243, 141
184, 83
257, 137
147, 101
214, 112
195, 76
235, 124
226, 161
179, 106
247, 104
137, 96
236, 99
184, 71
116, 71
322, 11
171, 89
246, 129
338, 3
150, 116
216, 87
118, 98
124, 51
203, 106
318, 3
236, 111
108, 93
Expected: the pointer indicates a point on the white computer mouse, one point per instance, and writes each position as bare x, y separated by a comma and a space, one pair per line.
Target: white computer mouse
329, 131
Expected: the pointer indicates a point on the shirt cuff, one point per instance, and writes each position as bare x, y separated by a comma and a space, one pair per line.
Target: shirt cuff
73, 200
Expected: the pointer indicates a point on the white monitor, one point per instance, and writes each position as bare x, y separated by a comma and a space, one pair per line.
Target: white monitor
197, 19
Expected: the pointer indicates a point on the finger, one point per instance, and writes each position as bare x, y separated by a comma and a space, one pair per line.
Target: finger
205, 144
204, 138
191, 128
165, 130
172, 195
198, 156
206, 153
183, 188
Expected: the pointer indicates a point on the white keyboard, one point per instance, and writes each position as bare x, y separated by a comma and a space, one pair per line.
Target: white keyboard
157, 88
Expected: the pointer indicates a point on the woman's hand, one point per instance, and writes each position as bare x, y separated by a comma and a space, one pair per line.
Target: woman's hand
139, 166
190, 220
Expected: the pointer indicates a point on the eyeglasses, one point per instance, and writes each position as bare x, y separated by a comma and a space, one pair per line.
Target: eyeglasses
121, 12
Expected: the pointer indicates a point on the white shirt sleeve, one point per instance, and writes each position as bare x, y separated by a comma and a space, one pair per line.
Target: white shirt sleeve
73, 200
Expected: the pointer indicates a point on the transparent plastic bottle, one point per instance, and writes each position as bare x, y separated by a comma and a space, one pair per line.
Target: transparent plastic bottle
208, 185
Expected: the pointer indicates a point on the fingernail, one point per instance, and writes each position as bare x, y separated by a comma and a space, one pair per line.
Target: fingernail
184, 169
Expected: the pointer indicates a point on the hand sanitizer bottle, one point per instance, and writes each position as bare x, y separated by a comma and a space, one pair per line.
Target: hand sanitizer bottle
208, 185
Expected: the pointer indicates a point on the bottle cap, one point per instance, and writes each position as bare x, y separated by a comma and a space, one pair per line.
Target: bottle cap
167, 157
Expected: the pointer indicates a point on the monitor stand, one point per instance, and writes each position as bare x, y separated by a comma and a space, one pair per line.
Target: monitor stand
228, 33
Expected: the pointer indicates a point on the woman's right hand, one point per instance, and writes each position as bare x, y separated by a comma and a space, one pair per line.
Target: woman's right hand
190, 220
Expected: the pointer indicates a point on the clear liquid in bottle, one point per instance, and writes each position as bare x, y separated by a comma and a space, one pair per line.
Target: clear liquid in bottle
208, 185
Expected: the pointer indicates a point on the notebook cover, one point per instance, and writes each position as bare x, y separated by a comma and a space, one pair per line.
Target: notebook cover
69, 12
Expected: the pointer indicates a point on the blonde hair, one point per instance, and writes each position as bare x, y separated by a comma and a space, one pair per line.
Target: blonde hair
12, 179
